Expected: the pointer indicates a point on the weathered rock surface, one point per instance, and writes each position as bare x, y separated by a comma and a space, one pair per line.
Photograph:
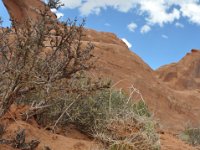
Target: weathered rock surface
184, 75
21, 10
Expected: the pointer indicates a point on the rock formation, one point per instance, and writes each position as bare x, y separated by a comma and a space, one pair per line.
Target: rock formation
20, 10
184, 75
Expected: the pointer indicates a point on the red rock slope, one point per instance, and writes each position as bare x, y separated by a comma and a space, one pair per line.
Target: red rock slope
184, 75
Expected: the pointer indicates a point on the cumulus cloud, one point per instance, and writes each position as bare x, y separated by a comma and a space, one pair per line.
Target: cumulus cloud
127, 42
191, 11
132, 26
145, 29
179, 25
164, 36
158, 12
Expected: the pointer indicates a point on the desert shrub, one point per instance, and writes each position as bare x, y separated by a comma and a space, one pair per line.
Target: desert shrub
141, 109
107, 115
126, 127
42, 60
191, 136
78, 108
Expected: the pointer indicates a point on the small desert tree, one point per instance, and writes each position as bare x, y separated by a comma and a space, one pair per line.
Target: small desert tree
42, 60
55, 4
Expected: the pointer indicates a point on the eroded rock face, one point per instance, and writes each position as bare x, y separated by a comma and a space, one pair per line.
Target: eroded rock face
172, 108
183, 75
21, 10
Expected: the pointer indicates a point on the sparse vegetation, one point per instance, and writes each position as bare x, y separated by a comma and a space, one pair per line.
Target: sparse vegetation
191, 136
125, 127
108, 116
45, 67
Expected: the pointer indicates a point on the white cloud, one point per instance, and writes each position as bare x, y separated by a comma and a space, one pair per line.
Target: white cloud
154, 12
179, 25
164, 36
145, 29
58, 14
95, 6
107, 24
191, 11
132, 26
127, 43
71, 4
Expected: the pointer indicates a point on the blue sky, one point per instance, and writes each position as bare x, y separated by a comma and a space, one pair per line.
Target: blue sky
159, 31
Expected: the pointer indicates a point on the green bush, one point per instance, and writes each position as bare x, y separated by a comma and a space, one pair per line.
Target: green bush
105, 114
141, 109
191, 136
109, 116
